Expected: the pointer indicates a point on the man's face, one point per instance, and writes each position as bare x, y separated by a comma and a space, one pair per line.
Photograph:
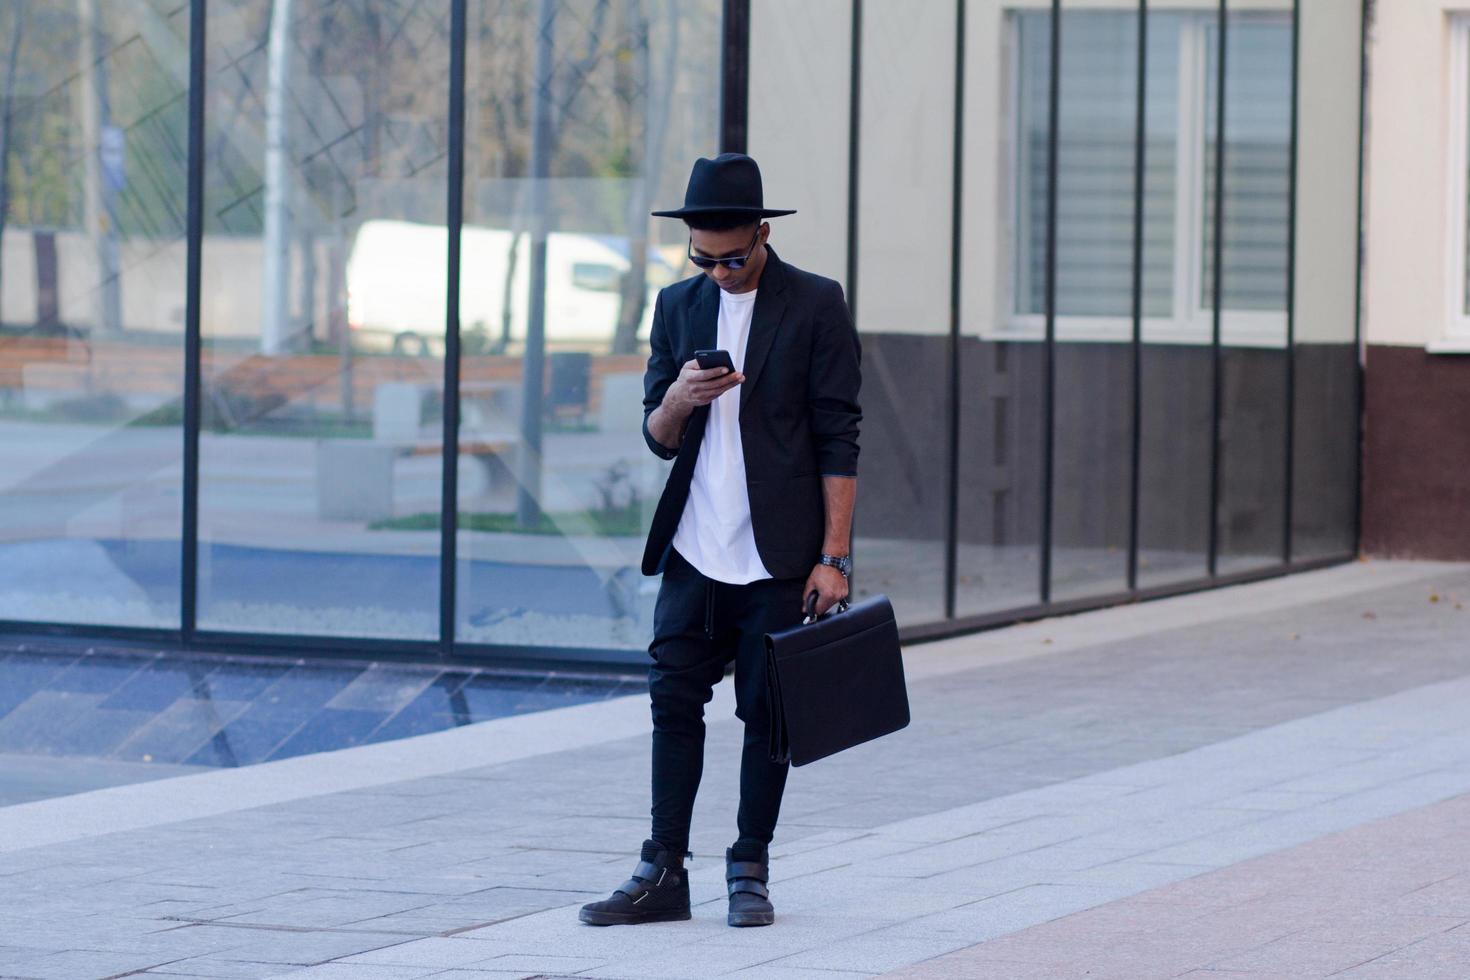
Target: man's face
733, 244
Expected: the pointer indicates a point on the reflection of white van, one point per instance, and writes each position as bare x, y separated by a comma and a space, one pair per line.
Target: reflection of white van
396, 280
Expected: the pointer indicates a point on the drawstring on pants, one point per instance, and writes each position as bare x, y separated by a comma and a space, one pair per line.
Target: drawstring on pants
709, 608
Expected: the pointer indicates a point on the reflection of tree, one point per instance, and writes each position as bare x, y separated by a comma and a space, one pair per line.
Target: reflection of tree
274, 327
353, 108
364, 110
17, 28
656, 122
40, 165
611, 100
102, 154
94, 119
562, 90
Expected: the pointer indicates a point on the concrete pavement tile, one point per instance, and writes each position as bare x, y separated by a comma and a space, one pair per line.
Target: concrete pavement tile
359, 971
1357, 777
1434, 958
780, 849
964, 852
992, 814
990, 879
860, 850
1251, 840
1005, 913
1133, 918
209, 966
1078, 855
473, 910
1377, 927
795, 931
1151, 835
73, 963
877, 952
770, 971
434, 951
1275, 800
849, 893
560, 930
542, 963
1298, 957
301, 948
161, 938
959, 966
449, 883
1446, 897
1136, 873
692, 962
327, 911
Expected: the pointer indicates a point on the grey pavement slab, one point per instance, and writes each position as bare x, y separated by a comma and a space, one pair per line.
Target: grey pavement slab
1051, 769
1383, 899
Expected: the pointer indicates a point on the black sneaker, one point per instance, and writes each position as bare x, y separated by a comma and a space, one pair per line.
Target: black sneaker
657, 892
750, 899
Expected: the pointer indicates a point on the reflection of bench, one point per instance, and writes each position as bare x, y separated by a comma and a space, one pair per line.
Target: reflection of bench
354, 477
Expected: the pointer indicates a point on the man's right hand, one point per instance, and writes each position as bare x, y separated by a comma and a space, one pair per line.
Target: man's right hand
698, 386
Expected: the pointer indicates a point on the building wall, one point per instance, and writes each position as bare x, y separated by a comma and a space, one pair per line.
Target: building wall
1416, 482
1286, 427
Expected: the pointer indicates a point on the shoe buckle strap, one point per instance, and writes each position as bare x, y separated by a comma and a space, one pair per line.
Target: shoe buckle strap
746, 869
635, 888
649, 871
646, 877
749, 886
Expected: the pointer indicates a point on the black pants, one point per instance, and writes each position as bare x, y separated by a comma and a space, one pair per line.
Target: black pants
699, 626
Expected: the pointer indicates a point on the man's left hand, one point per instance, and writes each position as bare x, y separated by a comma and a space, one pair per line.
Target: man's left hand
830, 586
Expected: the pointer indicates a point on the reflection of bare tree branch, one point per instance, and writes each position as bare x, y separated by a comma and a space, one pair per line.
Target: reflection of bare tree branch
7, 114
592, 53
655, 127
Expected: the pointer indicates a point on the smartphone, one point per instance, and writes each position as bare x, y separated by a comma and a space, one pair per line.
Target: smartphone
714, 358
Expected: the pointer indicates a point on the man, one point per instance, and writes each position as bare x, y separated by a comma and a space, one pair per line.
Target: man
755, 517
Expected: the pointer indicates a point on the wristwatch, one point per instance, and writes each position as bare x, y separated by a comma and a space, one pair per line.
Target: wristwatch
843, 563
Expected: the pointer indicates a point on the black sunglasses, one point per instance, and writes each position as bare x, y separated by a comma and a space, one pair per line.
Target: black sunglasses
735, 262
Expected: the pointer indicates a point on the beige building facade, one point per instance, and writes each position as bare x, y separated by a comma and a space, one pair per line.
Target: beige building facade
1416, 314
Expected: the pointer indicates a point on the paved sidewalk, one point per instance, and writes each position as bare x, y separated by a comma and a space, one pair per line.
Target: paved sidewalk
1387, 900
1121, 773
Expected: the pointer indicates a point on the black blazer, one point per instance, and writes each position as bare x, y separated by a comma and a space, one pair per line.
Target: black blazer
799, 409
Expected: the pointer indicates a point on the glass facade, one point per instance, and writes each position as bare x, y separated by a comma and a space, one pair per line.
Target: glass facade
93, 130
324, 206
1106, 349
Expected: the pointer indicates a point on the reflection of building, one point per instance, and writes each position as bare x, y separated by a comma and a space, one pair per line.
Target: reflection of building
1104, 269
1172, 404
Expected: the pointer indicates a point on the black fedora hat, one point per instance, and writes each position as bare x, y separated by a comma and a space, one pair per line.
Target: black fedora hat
728, 184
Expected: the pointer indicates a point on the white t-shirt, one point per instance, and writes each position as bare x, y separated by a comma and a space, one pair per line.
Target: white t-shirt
714, 533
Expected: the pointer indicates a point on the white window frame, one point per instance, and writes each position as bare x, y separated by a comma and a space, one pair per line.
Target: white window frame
1195, 324
1455, 338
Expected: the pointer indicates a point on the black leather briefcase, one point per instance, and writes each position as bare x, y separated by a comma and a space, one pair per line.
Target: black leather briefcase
836, 682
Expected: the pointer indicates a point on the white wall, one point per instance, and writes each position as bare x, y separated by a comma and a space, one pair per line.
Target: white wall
1407, 281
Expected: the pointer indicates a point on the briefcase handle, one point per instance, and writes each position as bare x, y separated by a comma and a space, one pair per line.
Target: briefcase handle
811, 608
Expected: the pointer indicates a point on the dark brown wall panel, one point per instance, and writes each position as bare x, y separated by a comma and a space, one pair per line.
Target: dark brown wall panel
1416, 462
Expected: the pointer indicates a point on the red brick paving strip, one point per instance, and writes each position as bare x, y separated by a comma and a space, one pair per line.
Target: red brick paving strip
1389, 899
